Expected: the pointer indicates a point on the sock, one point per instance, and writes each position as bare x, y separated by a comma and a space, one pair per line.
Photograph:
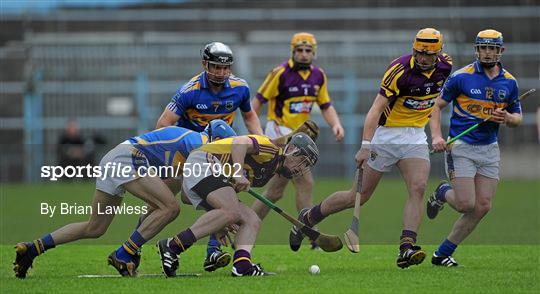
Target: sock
407, 240
213, 245
446, 248
182, 241
314, 216
242, 261
441, 193
130, 247
41, 245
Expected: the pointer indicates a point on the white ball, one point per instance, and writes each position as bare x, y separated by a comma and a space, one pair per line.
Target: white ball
314, 269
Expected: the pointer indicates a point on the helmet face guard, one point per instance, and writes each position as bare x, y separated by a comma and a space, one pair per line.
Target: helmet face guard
216, 72
492, 40
301, 154
429, 42
305, 42
217, 60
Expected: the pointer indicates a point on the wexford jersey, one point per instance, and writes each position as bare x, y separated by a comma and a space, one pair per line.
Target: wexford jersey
291, 94
168, 146
474, 97
197, 105
260, 167
412, 92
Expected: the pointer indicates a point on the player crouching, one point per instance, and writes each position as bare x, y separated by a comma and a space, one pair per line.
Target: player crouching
251, 161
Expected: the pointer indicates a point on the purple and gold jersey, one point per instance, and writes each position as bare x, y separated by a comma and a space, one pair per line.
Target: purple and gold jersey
197, 105
412, 92
291, 94
260, 167
474, 97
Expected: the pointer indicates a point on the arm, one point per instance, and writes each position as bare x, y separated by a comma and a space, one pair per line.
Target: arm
256, 105
332, 118
167, 118
512, 120
251, 119
370, 124
241, 146
373, 115
437, 141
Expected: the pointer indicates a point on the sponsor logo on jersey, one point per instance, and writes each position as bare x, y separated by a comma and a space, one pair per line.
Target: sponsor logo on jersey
229, 105
502, 94
476, 91
301, 107
477, 108
419, 104
201, 106
293, 89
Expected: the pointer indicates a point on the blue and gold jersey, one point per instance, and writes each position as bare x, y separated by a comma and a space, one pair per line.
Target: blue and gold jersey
196, 105
168, 146
260, 167
474, 97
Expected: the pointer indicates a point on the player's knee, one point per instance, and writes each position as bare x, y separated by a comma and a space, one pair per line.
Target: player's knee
171, 212
351, 198
95, 231
419, 188
233, 216
464, 206
483, 208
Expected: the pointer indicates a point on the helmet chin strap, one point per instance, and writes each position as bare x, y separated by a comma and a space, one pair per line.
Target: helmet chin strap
488, 64
301, 66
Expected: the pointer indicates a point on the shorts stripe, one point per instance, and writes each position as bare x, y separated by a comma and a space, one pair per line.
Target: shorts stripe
450, 169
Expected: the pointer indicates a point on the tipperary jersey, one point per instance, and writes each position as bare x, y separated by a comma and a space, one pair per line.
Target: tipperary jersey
168, 146
196, 104
411, 92
291, 94
474, 97
260, 167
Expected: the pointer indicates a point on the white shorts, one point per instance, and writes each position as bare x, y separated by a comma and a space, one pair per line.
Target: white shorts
465, 160
391, 144
274, 131
122, 158
198, 185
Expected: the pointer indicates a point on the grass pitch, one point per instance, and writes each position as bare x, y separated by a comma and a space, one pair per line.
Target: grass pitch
502, 255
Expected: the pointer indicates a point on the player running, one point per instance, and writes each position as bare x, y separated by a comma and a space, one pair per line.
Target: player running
291, 90
214, 93
394, 135
251, 161
165, 147
477, 91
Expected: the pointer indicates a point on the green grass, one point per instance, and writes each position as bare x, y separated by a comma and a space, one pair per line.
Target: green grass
487, 269
502, 255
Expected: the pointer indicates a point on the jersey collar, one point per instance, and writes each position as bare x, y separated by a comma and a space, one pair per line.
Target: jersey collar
479, 69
